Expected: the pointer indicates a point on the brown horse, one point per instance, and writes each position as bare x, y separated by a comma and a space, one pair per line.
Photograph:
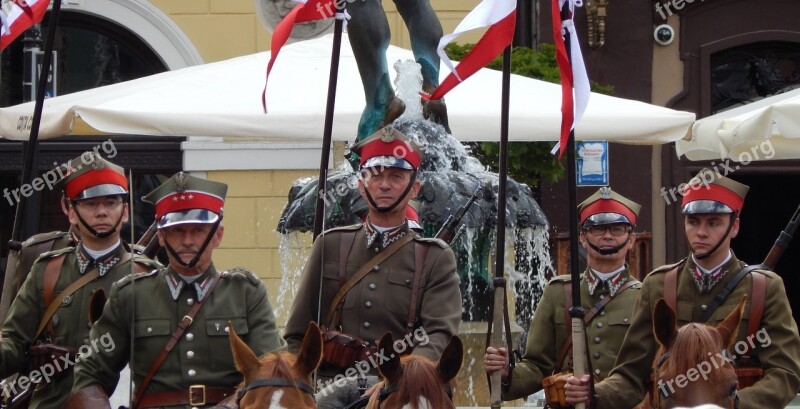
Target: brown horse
278, 380
415, 382
693, 366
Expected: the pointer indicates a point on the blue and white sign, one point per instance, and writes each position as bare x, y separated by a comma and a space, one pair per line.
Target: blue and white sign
592, 163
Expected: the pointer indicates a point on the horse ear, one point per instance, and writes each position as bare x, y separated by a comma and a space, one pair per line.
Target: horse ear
729, 327
390, 368
244, 357
451, 360
665, 323
311, 352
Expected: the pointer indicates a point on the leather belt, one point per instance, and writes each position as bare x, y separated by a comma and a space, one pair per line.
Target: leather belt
197, 395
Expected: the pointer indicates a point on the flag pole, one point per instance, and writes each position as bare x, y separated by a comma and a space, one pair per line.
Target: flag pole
322, 186
499, 310
576, 312
14, 245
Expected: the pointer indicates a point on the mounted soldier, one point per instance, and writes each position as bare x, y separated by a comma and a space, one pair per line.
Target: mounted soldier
49, 320
608, 294
705, 287
172, 324
376, 277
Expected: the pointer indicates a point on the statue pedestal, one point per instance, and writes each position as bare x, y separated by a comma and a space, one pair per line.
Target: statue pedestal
472, 388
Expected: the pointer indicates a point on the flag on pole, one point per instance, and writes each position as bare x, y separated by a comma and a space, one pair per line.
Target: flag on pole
501, 17
16, 16
573, 75
305, 11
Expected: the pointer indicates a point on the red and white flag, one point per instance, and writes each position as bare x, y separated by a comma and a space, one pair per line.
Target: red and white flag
16, 16
501, 17
305, 11
573, 75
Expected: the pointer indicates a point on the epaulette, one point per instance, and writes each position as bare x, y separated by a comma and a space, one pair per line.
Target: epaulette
122, 282
241, 272
431, 240
668, 267
43, 237
152, 264
56, 253
564, 278
351, 227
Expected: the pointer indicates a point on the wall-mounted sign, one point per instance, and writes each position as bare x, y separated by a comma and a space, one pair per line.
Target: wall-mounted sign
592, 163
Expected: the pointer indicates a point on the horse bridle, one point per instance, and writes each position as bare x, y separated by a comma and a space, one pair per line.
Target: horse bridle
656, 393
389, 389
274, 383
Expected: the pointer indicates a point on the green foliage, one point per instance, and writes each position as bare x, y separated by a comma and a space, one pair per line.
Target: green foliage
528, 162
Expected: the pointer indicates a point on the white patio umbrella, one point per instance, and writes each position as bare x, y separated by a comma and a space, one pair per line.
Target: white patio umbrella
768, 129
224, 99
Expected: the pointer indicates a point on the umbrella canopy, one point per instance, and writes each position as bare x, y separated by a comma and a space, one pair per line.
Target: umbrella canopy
224, 99
768, 129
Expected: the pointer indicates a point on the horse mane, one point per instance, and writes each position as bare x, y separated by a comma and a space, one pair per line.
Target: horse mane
421, 379
283, 361
693, 344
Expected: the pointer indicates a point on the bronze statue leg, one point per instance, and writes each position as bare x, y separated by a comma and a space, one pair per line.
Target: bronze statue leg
425, 31
369, 36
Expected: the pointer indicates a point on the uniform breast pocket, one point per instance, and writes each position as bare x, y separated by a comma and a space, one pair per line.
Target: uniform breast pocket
618, 324
219, 347
398, 291
150, 336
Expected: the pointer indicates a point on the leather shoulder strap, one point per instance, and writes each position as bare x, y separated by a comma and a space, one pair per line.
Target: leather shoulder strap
758, 294
176, 335
361, 273
671, 287
420, 253
724, 292
345, 244
51, 273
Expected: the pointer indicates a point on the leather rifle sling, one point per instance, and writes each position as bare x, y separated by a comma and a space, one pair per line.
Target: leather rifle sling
562, 353
176, 335
420, 253
361, 273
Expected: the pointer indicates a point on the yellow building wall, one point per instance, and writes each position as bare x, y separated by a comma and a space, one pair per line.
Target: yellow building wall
222, 29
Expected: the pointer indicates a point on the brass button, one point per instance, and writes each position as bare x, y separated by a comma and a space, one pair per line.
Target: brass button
597, 372
189, 354
376, 268
596, 355
408, 281
149, 330
190, 301
366, 324
703, 307
602, 313
368, 304
372, 286
625, 320
599, 325
189, 336
192, 373
596, 340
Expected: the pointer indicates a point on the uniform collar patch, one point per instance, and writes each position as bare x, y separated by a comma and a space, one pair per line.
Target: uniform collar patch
201, 286
104, 264
378, 241
610, 286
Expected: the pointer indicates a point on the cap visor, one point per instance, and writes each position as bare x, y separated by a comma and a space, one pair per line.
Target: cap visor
706, 207
101, 190
605, 218
387, 162
186, 217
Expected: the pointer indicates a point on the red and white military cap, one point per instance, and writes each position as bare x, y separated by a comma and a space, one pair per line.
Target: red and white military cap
709, 192
186, 199
89, 176
608, 207
388, 148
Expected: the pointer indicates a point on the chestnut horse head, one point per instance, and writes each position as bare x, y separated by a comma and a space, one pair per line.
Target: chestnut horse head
693, 366
415, 382
278, 380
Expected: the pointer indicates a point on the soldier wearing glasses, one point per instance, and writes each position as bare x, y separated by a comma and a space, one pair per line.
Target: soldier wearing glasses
40, 343
607, 288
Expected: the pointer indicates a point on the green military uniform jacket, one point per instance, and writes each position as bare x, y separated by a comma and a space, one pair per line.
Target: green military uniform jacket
779, 354
549, 330
70, 322
147, 308
37, 245
380, 302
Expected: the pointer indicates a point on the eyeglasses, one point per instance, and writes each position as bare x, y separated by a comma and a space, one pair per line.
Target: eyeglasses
92, 204
615, 229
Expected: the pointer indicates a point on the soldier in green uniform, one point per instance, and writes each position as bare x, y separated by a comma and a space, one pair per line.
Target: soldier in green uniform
148, 307
712, 206
413, 294
608, 293
95, 191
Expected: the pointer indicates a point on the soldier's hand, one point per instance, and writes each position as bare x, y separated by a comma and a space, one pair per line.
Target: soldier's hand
372, 389
577, 390
496, 359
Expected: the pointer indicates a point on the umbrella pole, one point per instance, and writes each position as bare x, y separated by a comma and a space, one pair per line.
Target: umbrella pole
576, 312
28, 164
322, 186
499, 311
